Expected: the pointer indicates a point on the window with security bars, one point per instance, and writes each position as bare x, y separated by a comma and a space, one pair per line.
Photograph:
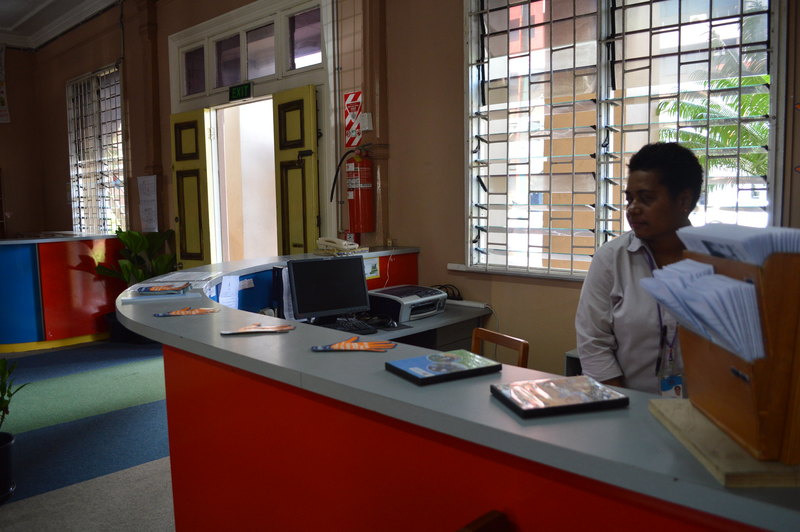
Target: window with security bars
563, 92
96, 152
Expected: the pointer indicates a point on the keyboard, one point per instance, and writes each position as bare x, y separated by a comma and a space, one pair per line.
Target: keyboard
352, 325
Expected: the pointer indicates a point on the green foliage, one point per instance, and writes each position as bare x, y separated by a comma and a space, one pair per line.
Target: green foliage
143, 256
7, 390
723, 108
729, 114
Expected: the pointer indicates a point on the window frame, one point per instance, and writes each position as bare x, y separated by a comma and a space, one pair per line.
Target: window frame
777, 36
95, 126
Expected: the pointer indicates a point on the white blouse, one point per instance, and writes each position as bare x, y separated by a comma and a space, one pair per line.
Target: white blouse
617, 322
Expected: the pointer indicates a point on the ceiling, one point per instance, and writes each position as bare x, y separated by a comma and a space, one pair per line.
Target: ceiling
32, 23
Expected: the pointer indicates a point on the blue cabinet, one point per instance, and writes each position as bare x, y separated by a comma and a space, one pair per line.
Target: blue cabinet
20, 311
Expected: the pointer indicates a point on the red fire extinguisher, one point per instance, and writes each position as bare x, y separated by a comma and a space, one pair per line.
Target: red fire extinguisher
360, 195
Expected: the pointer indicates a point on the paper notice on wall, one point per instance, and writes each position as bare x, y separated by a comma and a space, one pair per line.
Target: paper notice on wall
372, 268
229, 291
5, 115
148, 211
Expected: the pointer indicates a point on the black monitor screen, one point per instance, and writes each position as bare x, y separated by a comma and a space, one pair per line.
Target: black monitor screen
330, 286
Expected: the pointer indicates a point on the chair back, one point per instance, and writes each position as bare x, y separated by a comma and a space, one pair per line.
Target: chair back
480, 335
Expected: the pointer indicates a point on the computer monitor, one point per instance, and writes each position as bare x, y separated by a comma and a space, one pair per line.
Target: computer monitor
327, 287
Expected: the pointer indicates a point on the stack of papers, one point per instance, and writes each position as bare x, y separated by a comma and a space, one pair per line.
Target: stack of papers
668, 286
737, 242
717, 307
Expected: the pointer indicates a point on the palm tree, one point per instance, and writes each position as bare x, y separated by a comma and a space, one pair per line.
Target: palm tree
720, 127
729, 116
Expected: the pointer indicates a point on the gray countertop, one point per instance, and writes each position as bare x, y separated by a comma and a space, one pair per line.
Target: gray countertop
53, 236
626, 447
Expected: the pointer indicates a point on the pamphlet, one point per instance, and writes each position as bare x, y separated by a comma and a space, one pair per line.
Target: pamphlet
716, 307
740, 243
438, 367
186, 311
163, 289
557, 395
259, 328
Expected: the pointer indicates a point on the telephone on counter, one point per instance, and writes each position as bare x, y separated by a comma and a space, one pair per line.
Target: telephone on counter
336, 244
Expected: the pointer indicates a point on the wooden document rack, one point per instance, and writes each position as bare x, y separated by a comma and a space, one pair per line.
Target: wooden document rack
756, 403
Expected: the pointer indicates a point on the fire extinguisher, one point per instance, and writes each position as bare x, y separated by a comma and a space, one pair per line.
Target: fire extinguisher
360, 194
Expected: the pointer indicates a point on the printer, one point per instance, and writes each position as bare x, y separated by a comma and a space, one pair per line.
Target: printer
407, 302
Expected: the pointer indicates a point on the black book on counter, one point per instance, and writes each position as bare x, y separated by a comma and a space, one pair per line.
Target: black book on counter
557, 395
439, 367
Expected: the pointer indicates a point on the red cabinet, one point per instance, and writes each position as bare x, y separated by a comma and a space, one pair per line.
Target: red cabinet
74, 297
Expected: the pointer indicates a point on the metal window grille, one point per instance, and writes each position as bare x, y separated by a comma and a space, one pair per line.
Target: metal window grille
697, 73
563, 92
96, 152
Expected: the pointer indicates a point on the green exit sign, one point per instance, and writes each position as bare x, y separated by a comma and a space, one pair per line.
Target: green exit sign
240, 92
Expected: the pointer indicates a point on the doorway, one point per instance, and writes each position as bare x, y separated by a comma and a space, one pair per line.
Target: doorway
244, 148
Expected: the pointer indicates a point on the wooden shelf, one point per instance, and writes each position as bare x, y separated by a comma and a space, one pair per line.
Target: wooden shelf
756, 403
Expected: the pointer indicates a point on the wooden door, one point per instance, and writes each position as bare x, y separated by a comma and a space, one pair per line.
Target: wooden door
296, 172
193, 228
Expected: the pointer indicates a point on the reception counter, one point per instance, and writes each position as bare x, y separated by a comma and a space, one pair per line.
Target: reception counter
267, 435
53, 297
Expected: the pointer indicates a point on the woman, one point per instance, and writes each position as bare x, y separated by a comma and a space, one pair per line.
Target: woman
624, 337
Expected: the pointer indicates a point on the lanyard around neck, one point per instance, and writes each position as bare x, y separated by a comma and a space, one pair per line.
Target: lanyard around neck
662, 329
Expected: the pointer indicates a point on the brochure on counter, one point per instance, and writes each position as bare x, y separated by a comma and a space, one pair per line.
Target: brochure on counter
439, 367
163, 289
557, 395
259, 328
151, 292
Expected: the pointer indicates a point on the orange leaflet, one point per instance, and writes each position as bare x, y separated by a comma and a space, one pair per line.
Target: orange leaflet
186, 311
259, 328
351, 344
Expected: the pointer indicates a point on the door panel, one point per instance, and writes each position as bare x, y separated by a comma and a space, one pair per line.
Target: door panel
296, 164
193, 230
293, 185
190, 219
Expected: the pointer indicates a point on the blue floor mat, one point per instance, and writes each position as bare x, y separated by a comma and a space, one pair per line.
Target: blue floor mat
60, 455
89, 357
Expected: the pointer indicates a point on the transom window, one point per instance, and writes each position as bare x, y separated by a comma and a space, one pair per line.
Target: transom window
563, 92
269, 46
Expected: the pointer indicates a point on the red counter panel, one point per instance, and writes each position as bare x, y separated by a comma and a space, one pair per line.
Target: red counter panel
249, 453
395, 270
74, 297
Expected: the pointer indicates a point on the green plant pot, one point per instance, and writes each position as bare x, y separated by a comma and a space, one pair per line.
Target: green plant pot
7, 485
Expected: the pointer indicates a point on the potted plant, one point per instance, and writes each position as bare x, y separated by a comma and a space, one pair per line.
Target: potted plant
144, 255
7, 391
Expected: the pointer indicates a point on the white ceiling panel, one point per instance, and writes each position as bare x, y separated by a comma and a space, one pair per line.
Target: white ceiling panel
32, 23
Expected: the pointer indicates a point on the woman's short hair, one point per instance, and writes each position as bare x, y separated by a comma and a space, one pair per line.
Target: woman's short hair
677, 167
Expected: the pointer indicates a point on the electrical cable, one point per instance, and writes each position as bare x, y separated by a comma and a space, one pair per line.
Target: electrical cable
339, 166
451, 291
388, 268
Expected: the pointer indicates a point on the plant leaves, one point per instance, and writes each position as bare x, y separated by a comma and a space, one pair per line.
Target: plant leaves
144, 256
